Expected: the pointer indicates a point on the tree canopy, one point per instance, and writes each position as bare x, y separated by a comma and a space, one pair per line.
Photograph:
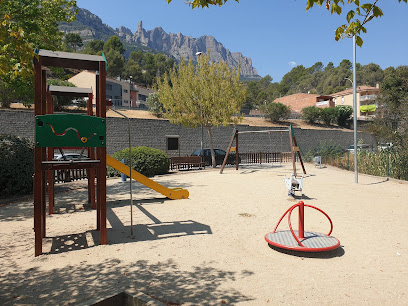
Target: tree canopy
73, 41
26, 25
355, 18
209, 94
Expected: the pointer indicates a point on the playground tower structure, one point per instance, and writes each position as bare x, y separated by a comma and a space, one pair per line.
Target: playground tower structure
68, 131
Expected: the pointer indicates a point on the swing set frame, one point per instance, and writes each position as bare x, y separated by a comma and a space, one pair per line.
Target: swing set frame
294, 148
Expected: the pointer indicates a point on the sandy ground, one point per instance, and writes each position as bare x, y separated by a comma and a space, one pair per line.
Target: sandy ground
210, 249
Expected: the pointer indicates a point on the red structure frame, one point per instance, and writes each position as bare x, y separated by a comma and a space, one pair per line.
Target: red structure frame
323, 243
44, 105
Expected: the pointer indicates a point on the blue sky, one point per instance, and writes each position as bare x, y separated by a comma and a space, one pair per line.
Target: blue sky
275, 34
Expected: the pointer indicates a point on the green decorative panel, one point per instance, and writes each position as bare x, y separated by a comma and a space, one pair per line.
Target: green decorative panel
70, 130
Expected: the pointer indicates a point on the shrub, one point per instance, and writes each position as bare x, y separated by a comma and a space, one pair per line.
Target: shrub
276, 111
343, 115
328, 115
147, 161
327, 150
311, 114
16, 165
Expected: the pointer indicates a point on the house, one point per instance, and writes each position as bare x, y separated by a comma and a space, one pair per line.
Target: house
367, 96
123, 93
299, 101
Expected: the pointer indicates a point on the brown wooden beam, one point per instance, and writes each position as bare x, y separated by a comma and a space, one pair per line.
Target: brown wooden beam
37, 164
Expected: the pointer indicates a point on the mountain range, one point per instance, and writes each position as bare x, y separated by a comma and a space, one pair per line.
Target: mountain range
91, 27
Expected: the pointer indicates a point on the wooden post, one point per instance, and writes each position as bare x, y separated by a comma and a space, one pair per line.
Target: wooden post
236, 151
292, 153
102, 154
300, 157
37, 164
228, 151
43, 110
98, 193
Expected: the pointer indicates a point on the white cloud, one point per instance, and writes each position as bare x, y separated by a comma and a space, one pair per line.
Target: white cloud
292, 64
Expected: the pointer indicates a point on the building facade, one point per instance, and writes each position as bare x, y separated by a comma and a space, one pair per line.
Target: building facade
366, 96
299, 101
122, 93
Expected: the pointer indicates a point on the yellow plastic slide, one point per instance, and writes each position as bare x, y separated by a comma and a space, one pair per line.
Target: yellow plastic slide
171, 193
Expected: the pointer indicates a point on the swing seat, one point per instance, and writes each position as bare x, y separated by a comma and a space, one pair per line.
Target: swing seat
293, 184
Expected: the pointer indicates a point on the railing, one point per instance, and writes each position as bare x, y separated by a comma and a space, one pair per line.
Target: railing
368, 97
265, 157
69, 175
322, 103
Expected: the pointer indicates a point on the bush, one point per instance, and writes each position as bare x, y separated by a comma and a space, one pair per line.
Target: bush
327, 150
311, 114
16, 165
147, 161
276, 111
343, 115
328, 115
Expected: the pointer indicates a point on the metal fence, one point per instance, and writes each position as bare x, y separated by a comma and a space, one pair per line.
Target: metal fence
265, 157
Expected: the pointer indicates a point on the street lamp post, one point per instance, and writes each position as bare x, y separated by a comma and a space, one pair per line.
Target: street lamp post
130, 93
354, 112
367, 18
202, 131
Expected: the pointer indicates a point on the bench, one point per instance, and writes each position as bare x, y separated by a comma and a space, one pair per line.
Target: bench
186, 162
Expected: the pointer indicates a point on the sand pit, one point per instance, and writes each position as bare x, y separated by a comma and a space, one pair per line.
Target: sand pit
210, 249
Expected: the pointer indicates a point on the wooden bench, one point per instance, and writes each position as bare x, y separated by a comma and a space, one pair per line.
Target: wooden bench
186, 162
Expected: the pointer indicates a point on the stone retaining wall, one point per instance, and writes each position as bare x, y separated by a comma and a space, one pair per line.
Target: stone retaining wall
153, 133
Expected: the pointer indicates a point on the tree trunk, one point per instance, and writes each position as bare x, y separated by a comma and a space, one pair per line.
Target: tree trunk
213, 161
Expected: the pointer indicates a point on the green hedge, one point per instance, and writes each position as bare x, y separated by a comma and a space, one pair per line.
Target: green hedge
147, 161
16, 165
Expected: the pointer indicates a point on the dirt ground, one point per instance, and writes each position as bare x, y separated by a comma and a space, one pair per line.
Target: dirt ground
209, 249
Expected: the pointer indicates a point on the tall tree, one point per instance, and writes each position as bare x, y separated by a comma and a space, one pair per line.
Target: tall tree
356, 17
94, 47
209, 94
73, 41
26, 25
392, 124
113, 49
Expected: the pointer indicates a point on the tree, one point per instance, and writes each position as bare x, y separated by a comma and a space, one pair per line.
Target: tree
209, 95
26, 25
154, 105
114, 43
356, 18
276, 111
311, 114
73, 41
113, 49
343, 115
328, 115
116, 63
94, 47
392, 124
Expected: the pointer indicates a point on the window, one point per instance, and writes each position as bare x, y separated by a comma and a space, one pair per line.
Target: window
173, 142
142, 97
126, 101
125, 90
